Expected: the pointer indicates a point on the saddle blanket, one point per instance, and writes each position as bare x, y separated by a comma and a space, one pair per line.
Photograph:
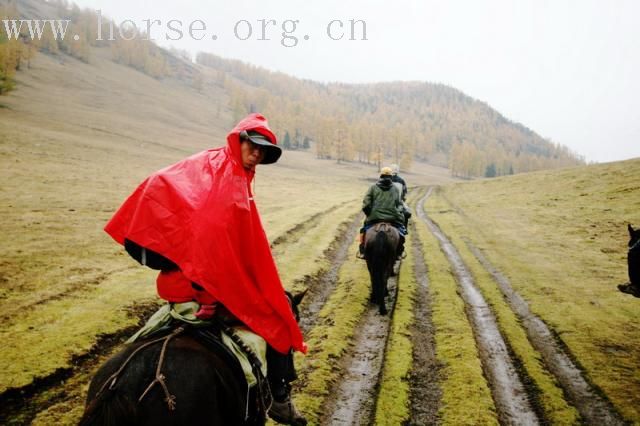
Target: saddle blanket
185, 312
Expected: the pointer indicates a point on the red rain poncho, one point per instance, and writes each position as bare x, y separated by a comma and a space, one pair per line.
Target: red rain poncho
200, 214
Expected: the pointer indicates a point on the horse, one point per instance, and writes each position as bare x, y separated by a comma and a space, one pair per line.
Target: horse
633, 263
380, 248
175, 379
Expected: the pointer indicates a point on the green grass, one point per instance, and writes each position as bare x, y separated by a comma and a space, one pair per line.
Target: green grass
38, 343
560, 237
303, 253
549, 393
392, 406
466, 398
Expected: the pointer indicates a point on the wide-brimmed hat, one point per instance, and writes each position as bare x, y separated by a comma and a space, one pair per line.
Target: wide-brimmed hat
272, 151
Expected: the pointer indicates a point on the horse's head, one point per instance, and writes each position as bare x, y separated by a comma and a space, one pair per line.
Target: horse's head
634, 236
294, 301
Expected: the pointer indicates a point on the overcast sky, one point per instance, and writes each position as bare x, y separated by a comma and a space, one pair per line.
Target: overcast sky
569, 70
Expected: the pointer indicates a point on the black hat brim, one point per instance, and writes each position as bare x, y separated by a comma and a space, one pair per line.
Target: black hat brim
271, 152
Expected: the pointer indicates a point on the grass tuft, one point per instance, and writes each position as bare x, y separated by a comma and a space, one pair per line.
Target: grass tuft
392, 407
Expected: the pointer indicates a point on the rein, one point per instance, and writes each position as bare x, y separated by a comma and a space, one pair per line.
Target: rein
169, 399
635, 245
113, 379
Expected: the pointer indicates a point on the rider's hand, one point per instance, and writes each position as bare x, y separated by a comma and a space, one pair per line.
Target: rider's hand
206, 312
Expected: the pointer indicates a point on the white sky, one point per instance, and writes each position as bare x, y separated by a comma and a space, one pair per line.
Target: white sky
569, 70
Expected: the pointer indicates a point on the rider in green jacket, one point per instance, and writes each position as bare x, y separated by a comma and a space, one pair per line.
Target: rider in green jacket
383, 203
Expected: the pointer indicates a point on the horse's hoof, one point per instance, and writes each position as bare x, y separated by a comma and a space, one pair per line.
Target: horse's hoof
629, 288
383, 311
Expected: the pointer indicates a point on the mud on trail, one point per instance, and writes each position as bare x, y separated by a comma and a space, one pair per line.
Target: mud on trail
320, 285
593, 408
352, 400
507, 388
425, 393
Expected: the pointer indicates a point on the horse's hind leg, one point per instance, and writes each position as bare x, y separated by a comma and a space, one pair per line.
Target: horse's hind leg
383, 307
382, 290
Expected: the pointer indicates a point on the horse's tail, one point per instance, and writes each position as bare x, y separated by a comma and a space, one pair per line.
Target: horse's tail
109, 408
378, 255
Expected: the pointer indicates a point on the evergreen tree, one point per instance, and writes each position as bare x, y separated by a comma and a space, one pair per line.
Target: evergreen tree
490, 171
296, 140
287, 141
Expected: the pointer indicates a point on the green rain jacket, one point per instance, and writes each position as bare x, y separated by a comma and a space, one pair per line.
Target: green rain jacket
383, 203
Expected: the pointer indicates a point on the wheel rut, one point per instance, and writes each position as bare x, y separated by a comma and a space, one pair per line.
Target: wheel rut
508, 391
425, 393
354, 397
594, 409
320, 286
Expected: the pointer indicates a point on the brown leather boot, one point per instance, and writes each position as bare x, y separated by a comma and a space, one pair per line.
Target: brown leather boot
286, 413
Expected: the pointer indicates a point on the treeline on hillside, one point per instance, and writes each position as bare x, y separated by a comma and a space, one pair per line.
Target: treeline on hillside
397, 122
14, 54
128, 46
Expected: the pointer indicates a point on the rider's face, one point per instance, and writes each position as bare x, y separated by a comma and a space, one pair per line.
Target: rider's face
252, 154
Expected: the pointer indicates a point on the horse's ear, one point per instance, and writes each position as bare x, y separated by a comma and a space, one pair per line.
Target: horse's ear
630, 229
297, 298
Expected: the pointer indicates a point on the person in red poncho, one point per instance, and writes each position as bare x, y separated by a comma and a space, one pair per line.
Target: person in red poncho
198, 222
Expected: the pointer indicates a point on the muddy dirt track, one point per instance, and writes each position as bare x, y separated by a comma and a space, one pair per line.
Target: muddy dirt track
499, 368
320, 286
354, 399
507, 388
593, 409
425, 393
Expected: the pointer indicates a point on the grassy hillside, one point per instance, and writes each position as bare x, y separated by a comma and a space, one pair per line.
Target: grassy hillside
561, 239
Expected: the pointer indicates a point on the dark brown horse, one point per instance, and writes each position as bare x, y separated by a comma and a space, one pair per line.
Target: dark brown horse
380, 248
177, 378
633, 264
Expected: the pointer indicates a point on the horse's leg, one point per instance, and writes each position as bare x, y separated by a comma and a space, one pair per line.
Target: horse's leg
372, 291
380, 284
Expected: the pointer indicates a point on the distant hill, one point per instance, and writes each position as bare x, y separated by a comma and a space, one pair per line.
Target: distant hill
398, 122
